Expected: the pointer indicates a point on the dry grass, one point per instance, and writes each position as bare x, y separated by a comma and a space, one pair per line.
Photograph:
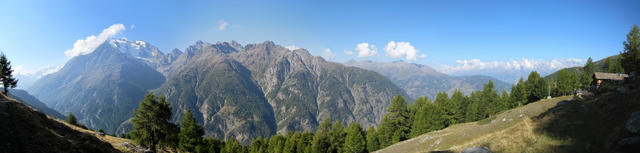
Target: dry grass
114, 141
26, 130
509, 131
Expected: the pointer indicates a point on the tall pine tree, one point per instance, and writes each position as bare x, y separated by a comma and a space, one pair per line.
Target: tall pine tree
587, 72
631, 55
372, 140
151, 121
71, 119
190, 132
337, 137
6, 74
395, 123
322, 141
354, 141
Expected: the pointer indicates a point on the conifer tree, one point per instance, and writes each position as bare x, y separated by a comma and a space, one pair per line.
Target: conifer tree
258, 145
71, 119
631, 55
321, 140
449, 108
607, 65
617, 66
337, 137
372, 140
536, 86
291, 143
151, 121
276, 144
518, 93
232, 146
304, 143
587, 72
190, 132
472, 113
565, 85
504, 101
209, 145
459, 100
354, 141
6, 76
395, 123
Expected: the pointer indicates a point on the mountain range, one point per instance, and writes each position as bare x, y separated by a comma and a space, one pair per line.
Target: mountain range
421, 80
234, 90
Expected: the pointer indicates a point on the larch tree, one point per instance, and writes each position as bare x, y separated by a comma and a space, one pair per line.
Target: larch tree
631, 54
354, 141
372, 140
6, 74
151, 121
190, 132
322, 141
587, 72
71, 119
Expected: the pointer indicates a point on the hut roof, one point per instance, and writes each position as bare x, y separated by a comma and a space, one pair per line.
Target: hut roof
609, 76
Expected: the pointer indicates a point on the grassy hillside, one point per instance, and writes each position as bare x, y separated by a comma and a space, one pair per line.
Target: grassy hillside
562, 124
25, 130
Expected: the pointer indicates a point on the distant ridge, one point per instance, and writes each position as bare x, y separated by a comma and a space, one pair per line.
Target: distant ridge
421, 80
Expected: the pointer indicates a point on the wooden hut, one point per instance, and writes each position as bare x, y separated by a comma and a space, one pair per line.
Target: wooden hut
601, 77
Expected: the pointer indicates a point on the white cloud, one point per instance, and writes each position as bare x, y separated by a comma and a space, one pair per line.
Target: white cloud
131, 27
509, 71
292, 47
28, 76
222, 25
422, 56
348, 52
328, 54
87, 45
402, 49
38, 72
366, 50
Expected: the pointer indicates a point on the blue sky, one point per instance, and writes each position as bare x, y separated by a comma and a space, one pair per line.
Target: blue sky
35, 34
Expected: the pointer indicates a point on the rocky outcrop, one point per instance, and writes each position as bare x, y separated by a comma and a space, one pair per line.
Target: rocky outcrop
476, 150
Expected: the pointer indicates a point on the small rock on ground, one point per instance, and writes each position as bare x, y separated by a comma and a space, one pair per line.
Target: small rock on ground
476, 150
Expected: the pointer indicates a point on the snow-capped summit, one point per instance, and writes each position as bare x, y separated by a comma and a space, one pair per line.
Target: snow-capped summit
143, 51
138, 49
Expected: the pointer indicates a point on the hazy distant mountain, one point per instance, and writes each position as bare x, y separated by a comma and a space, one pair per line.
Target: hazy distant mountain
24, 97
102, 88
421, 80
258, 89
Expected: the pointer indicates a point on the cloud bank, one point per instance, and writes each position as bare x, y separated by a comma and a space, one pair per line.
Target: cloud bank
87, 45
509, 71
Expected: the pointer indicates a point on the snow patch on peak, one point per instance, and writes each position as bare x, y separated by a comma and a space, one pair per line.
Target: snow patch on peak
137, 49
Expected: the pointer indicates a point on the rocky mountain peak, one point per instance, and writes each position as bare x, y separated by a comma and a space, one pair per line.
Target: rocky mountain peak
137, 49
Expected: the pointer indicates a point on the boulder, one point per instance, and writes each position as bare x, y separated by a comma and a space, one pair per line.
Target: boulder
633, 123
476, 150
